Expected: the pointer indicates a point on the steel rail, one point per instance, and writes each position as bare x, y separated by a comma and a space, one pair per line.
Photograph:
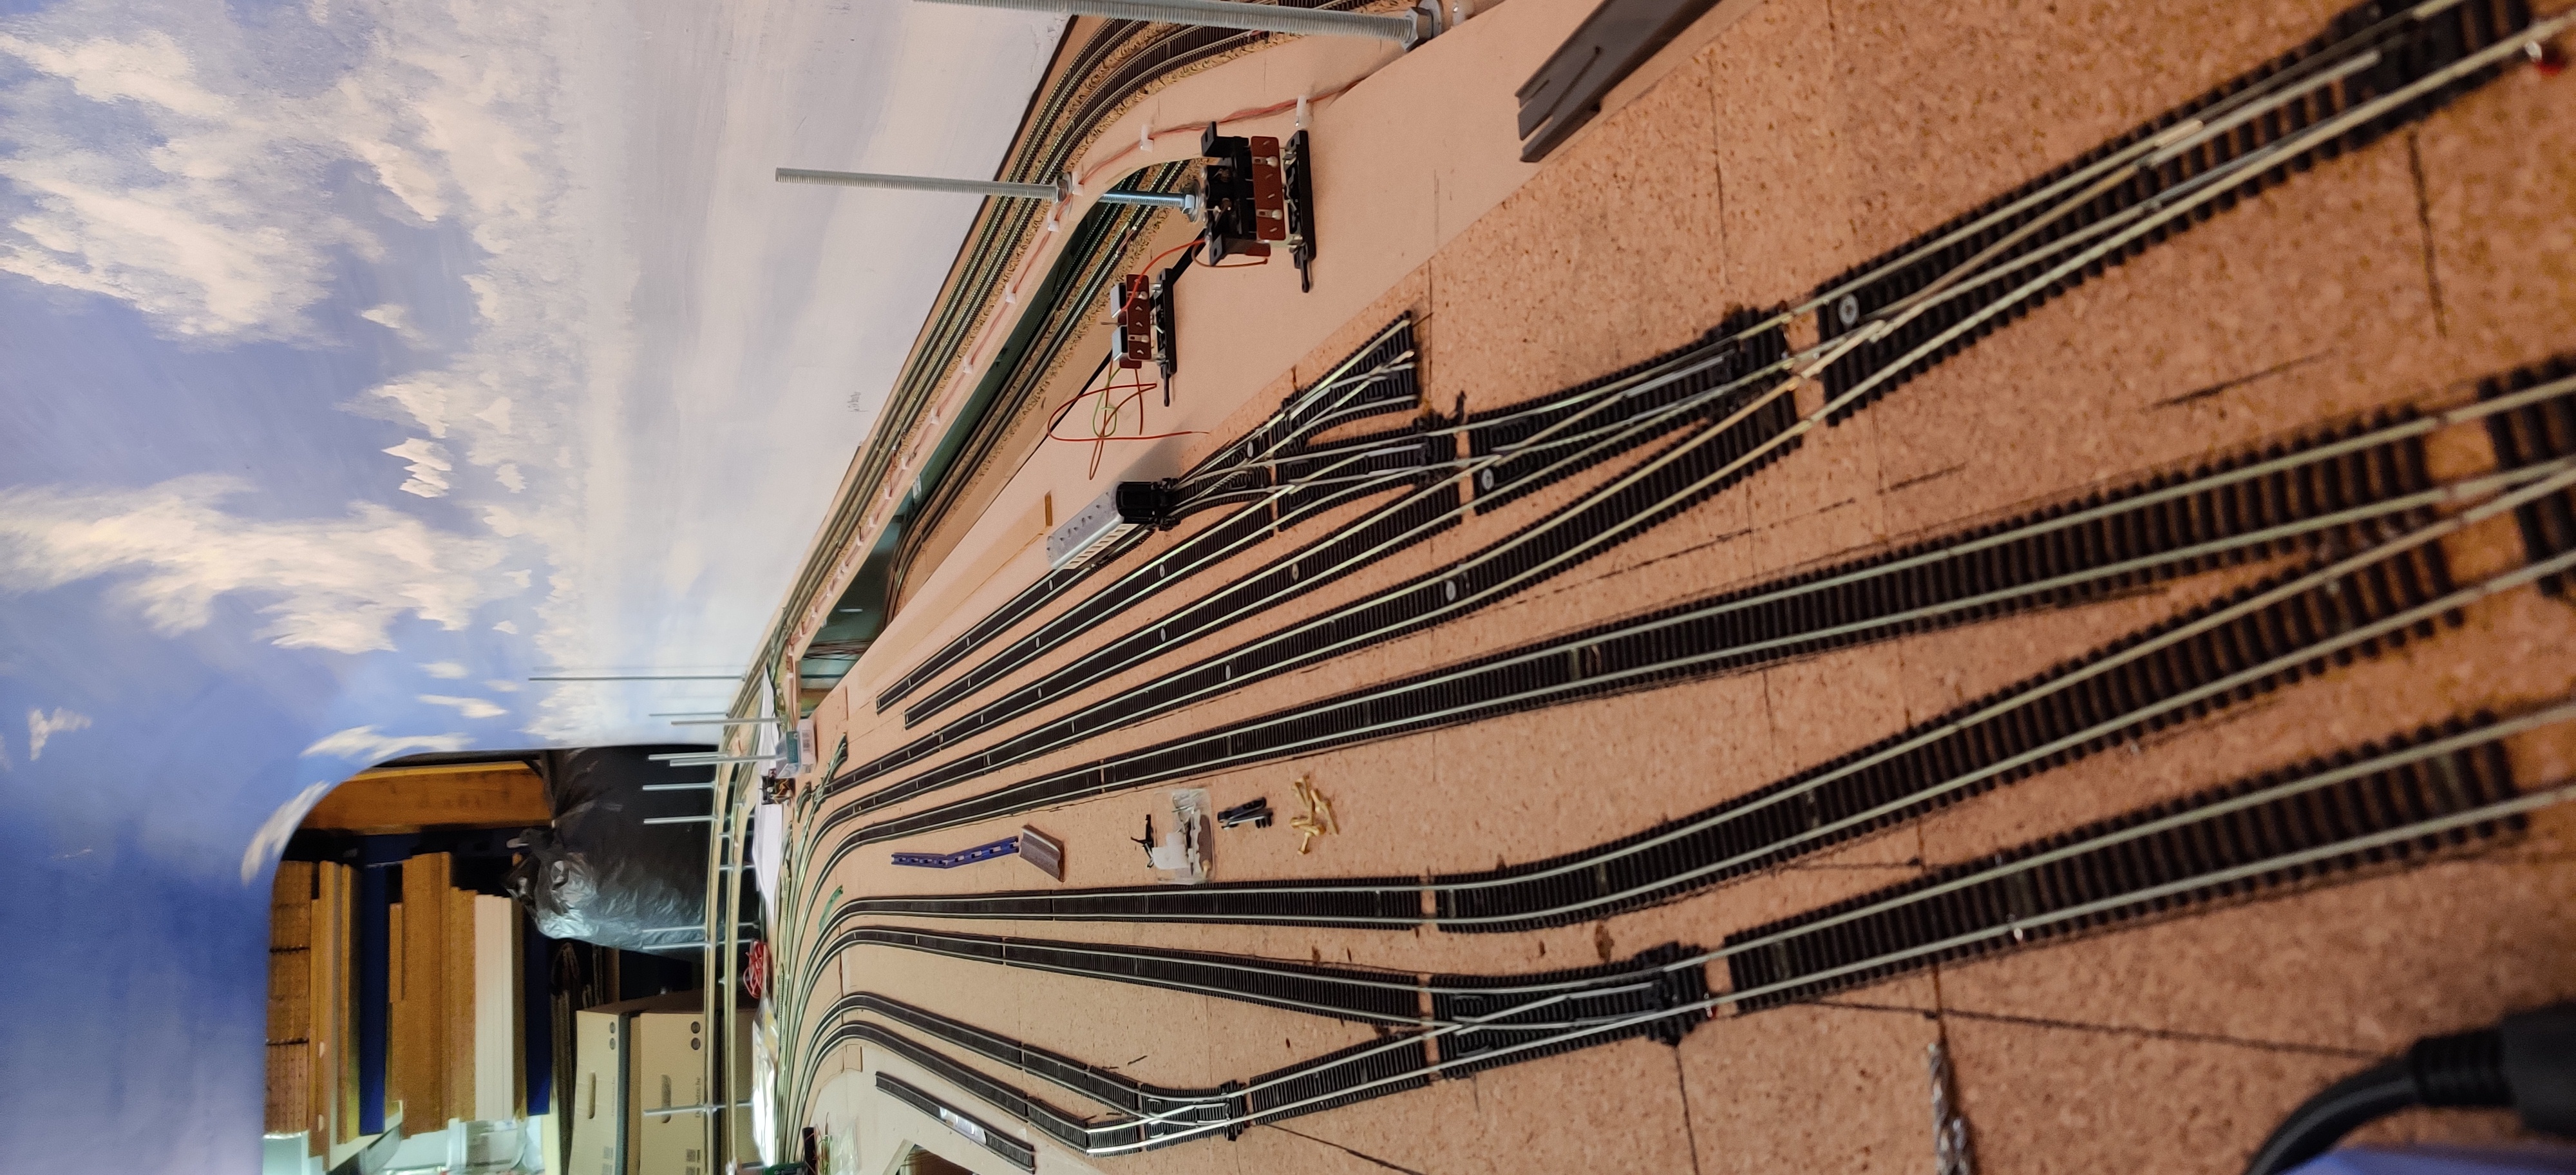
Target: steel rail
1356, 560
2286, 590
2414, 830
1608, 436
2152, 213
957, 650
2565, 476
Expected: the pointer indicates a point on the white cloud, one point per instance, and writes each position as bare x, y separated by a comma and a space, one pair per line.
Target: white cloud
220, 174
429, 467
364, 745
273, 832
444, 670
397, 319
204, 205
333, 583
42, 727
505, 626
466, 707
5, 764
499, 686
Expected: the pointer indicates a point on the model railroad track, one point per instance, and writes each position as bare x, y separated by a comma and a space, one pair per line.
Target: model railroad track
1517, 448
1936, 919
1153, 1116
2297, 497
2384, 805
1480, 1018
1020, 1154
2355, 82
1758, 431
1624, 411
1673, 481
2090, 250
2538, 432
1377, 378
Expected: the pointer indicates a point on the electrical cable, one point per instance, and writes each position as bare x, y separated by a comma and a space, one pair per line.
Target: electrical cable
2526, 1061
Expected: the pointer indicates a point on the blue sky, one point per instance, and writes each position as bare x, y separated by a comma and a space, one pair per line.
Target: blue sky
357, 359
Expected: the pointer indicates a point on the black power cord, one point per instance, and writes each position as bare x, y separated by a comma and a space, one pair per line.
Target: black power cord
2526, 1061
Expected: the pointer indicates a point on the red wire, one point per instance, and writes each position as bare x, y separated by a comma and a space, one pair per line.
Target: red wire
1099, 441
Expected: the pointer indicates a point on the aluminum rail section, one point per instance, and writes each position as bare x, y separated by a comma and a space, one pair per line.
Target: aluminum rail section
1580, 530
2101, 543
2393, 803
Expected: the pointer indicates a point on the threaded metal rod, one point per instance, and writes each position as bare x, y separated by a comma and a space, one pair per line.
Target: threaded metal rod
999, 189
1401, 28
917, 183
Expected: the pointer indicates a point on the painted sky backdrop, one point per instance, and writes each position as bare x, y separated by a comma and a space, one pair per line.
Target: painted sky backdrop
359, 359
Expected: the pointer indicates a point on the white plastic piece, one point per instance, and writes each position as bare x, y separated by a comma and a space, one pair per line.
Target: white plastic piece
1145, 137
962, 1125
1301, 112
1183, 856
1090, 529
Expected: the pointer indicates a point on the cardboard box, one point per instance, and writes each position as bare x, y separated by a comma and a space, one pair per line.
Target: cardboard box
632, 1058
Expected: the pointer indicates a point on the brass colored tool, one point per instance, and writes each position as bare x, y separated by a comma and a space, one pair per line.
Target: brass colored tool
1317, 819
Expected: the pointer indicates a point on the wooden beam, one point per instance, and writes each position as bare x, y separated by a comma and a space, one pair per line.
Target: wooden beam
417, 1049
290, 999
408, 799
457, 984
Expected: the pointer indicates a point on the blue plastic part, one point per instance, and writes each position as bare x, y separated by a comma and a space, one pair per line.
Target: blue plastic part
1001, 848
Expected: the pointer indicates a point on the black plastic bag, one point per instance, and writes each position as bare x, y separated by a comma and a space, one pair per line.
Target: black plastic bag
600, 874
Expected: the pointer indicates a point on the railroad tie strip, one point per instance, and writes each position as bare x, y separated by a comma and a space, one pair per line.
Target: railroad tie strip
2544, 430
1486, 1019
1019, 1153
2147, 530
2393, 803
1383, 371
1695, 468
1990, 741
1528, 445
1672, 646
1523, 436
1376, 465
1399, 462
2367, 52
1164, 1116
2434, 75
1983, 906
